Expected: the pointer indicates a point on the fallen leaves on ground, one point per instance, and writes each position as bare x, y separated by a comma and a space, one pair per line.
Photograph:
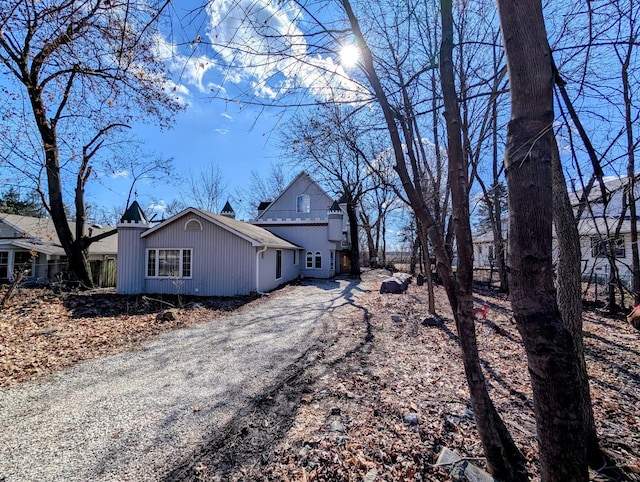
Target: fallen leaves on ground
385, 397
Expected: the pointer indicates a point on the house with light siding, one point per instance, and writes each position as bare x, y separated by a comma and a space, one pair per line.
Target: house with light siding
307, 216
301, 233
602, 227
33, 243
200, 253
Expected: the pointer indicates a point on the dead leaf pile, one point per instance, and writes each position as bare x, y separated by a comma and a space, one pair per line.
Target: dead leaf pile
42, 332
358, 421
384, 397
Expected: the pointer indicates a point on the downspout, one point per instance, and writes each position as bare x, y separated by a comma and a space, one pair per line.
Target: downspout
258, 253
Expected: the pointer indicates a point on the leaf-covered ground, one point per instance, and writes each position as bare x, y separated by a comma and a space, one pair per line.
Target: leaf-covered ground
350, 412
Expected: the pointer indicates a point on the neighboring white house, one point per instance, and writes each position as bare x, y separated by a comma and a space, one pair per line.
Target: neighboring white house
33, 242
201, 253
597, 229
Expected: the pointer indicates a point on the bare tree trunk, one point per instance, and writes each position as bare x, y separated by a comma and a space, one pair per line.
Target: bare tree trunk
631, 175
426, 255
354, 252
503, 458
570, 298
553, 365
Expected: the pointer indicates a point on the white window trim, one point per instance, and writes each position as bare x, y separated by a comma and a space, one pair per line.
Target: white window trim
193, 221
303, 196
157, 263
306, 259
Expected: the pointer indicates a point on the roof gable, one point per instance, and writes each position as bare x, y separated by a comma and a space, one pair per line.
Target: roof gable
303, 183
256, 235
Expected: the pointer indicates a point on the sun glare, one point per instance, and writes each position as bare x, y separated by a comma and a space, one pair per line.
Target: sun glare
349, 55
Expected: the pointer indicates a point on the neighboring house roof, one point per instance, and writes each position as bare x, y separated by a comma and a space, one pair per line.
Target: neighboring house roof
614, 187
264, 205
256, 235
40, 234
335, 208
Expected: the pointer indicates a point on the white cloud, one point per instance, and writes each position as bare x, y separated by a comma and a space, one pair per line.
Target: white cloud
261, 43
121, 173
222, 132
226, 116
160, 206
189, 69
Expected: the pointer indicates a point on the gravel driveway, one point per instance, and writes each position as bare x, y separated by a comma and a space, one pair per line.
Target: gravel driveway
134, 415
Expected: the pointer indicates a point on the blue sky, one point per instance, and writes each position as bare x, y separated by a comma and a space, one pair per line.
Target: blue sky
212, 80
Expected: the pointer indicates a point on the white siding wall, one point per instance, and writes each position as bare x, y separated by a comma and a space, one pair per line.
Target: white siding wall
285, 206
310, 238
600, 265
267, 261
131, 259
222, 263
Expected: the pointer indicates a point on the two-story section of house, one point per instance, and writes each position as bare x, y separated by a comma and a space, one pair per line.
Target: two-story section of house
307, 216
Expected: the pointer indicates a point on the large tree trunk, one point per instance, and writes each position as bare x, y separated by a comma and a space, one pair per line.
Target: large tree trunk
569, 296
553, 364
73, 248
503, 458
354, 252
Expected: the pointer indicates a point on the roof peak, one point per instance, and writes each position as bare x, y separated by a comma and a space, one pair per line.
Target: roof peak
134, 213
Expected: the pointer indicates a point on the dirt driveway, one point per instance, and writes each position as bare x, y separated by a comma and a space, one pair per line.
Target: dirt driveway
144, 415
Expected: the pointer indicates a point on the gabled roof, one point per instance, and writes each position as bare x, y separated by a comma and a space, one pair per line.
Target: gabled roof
264, 205
256, 235
335, 208
40, 234
295, 179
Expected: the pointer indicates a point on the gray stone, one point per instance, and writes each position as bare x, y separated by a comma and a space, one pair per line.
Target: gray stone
166, 315
434, 320
396, 317
411, 418
405, 278
337, 426
371, 476
465, 471
48, 331
392, 285
447, 457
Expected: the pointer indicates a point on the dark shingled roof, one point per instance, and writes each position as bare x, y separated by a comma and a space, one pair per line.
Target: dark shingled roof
264, 205
134, 213
227, 208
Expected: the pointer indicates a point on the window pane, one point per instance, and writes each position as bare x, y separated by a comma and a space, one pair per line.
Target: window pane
186, 263
318, 260
278, 264
151, 263
21, 258
168, 262
309, 259
4, 264
303, 203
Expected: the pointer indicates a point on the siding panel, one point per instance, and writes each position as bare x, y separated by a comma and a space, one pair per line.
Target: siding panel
222, 263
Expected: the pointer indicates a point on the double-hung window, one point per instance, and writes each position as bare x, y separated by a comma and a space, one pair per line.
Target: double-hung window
169, 263
303, 203
602, 247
